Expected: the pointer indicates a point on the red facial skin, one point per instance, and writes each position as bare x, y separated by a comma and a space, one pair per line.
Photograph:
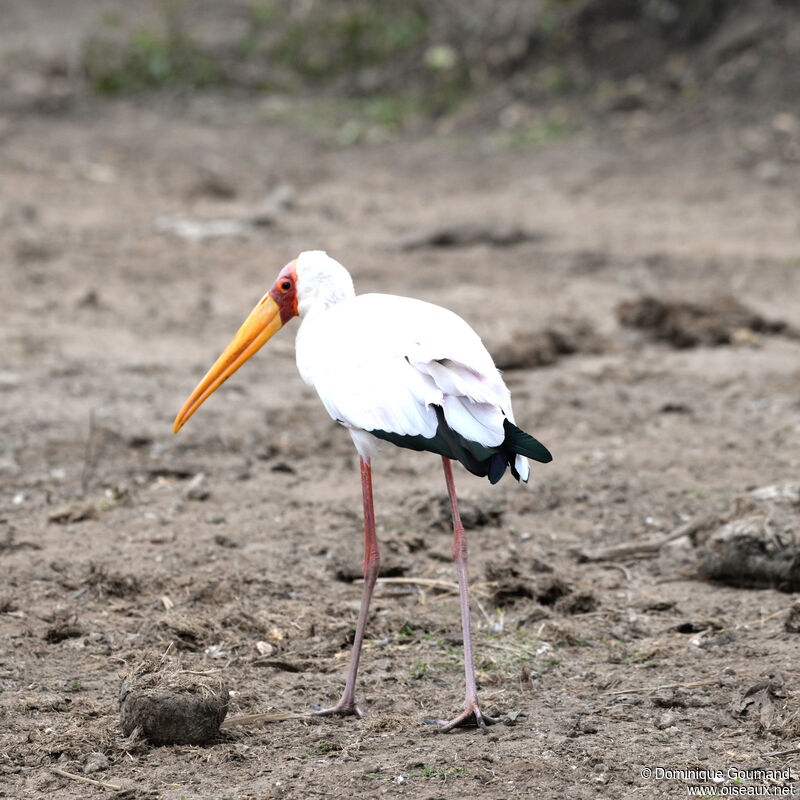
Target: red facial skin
284, 292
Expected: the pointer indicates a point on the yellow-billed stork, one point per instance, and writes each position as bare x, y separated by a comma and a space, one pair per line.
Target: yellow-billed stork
390, 369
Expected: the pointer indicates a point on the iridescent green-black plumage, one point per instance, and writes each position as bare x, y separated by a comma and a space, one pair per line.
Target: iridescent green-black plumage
478, 459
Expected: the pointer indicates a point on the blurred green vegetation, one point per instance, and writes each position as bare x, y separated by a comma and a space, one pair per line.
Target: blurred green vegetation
394, 62
147, 58
282, 46
552, 127
380, 60
345, 38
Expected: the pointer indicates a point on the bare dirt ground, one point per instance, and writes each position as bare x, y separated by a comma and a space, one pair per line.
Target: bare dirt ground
117, 295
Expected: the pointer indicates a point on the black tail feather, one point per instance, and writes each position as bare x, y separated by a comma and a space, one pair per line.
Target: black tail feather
478, 459
497, 467
517, 441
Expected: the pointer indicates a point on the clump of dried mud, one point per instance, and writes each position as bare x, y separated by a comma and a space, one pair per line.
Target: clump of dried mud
682, 324
170, 705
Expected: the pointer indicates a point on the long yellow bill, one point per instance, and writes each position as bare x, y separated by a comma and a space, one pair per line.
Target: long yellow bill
261, 324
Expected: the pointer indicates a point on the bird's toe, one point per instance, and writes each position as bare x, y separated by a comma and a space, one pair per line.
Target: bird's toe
472, 716
341, 709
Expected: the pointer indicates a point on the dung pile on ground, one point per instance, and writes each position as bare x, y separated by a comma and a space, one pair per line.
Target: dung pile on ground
169, 705
109, 583
513, 580
758, 549
543, 347
434, 512
722, 320
465, 234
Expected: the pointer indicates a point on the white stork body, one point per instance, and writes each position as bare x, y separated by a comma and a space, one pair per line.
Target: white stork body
382, 362
389, 369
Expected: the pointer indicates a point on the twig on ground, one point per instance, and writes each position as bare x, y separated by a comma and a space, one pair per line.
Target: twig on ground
622, 568
790, 752
509, 648
204, 671
73, 777
689, 685
88, 456
434, 582
446, 588
483, 611
649, 547
761, 621
252, 719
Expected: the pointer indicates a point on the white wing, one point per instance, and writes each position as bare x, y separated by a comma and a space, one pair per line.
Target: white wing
381, 362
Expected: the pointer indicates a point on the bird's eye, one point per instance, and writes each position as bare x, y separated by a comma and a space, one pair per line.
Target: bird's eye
286, 285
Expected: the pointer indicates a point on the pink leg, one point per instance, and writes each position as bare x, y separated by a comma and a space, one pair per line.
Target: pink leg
472, 714
347, 703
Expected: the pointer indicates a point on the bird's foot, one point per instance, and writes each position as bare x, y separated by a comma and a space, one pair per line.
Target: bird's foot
344, 708
471, 715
